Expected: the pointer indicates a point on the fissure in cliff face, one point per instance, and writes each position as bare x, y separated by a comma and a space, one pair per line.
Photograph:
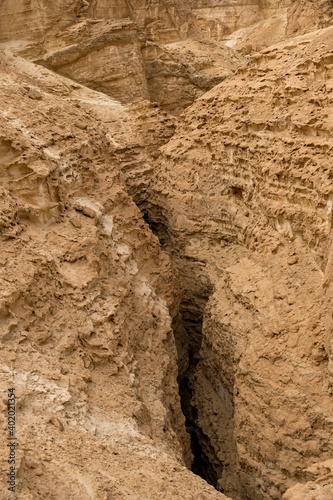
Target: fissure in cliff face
246, 190
191, 312
86, 295
216, 465
240, 198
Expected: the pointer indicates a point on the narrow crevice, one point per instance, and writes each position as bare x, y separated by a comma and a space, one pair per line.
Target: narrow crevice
192, 315
187, 328
201, 465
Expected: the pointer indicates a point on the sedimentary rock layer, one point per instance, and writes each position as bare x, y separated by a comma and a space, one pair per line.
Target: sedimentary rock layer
87, 298
244, 193
166, 281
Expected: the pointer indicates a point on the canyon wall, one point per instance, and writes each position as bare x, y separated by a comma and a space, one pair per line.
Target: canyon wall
246, 190
169, 52
166, 248
87, 300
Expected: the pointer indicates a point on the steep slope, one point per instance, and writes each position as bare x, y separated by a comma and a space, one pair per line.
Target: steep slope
169, 52
195, 334
242, 200
87, 300
120, 48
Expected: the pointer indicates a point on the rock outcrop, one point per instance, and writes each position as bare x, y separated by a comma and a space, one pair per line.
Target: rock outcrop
87, 299
244, 193
166, 248
130, 52
169, 52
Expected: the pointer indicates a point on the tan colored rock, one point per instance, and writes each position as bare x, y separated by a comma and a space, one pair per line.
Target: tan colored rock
124, 51
170, 53
30, 19
201, 342
319, 485
244, 192
103, 56
86, 302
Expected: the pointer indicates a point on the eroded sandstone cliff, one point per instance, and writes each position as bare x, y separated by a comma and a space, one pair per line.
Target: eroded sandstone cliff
246, 191
87, 299
166, 283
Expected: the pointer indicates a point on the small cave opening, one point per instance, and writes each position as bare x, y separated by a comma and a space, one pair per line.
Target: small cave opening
187, 328
157, 226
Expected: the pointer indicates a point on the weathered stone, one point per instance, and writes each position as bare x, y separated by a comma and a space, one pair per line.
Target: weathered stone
166, 281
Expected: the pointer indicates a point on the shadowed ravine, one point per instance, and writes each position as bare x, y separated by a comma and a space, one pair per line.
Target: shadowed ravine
187, 328
166, 249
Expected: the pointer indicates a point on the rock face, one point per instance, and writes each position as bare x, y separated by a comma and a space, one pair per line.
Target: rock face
87, 298
246, 191
319, 483
124, 50
169, 52
166, 278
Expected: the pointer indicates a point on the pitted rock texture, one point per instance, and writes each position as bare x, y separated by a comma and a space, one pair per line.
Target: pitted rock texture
244, 193
166, 279
168, 52
87, 298
319, 484
109, 47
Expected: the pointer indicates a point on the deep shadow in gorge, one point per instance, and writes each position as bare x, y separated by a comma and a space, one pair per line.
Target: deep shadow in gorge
191, 310
187, 328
